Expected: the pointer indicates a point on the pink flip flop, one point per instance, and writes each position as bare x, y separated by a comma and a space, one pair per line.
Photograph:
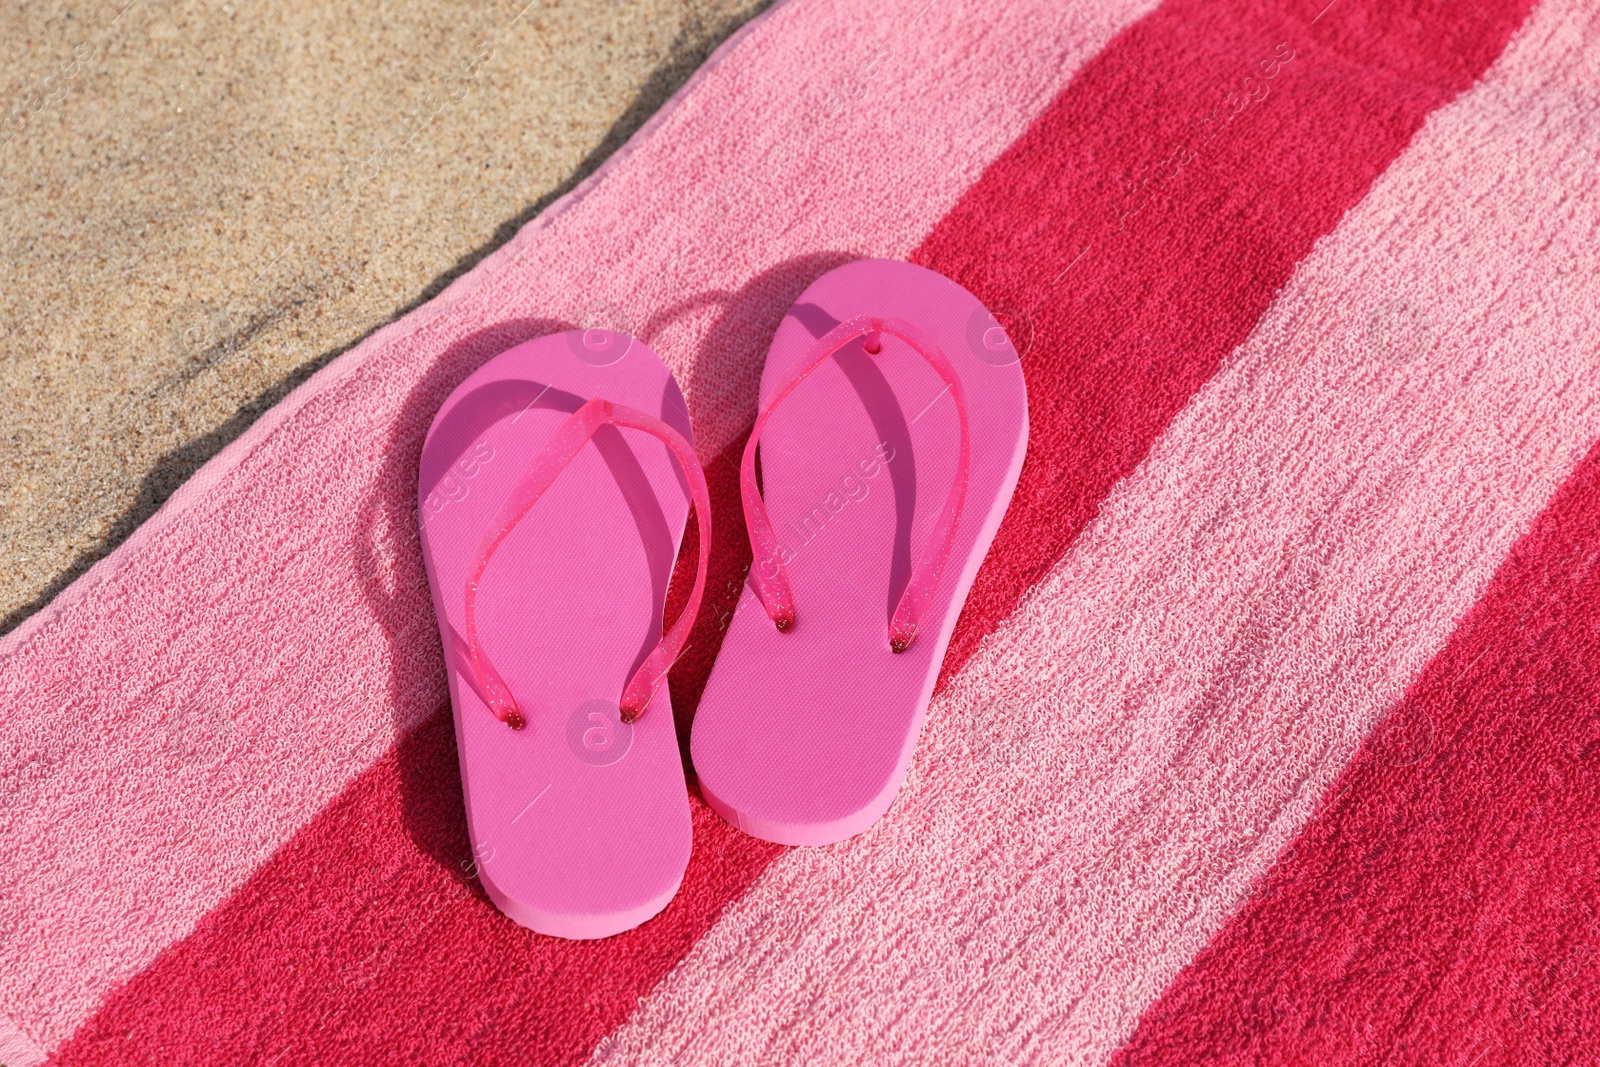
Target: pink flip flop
550, 528
893, 424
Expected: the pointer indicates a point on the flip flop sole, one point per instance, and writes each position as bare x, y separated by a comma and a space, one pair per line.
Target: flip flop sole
579, 822
804, 737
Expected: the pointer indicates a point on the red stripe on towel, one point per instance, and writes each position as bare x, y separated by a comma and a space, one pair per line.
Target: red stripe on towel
1444, 906
1116, 340
367, 940
1137, 232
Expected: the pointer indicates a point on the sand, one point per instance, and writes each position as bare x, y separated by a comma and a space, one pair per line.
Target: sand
204, 202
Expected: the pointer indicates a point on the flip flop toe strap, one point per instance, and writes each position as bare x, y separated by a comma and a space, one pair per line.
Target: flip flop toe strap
540, 473
768, 572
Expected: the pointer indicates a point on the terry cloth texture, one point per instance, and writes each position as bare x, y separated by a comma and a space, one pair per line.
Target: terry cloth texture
1233, 757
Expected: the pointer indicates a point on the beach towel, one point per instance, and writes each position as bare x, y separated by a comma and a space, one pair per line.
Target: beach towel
1267, 734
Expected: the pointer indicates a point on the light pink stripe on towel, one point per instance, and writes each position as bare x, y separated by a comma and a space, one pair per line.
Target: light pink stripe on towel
1100, 786
184, 708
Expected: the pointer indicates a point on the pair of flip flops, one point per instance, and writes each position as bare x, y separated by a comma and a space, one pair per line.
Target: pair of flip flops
556, 484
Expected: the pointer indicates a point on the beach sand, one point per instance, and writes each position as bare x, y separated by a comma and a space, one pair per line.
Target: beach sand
205, 202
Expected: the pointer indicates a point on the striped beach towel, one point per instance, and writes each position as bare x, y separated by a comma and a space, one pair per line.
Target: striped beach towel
1268, 733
